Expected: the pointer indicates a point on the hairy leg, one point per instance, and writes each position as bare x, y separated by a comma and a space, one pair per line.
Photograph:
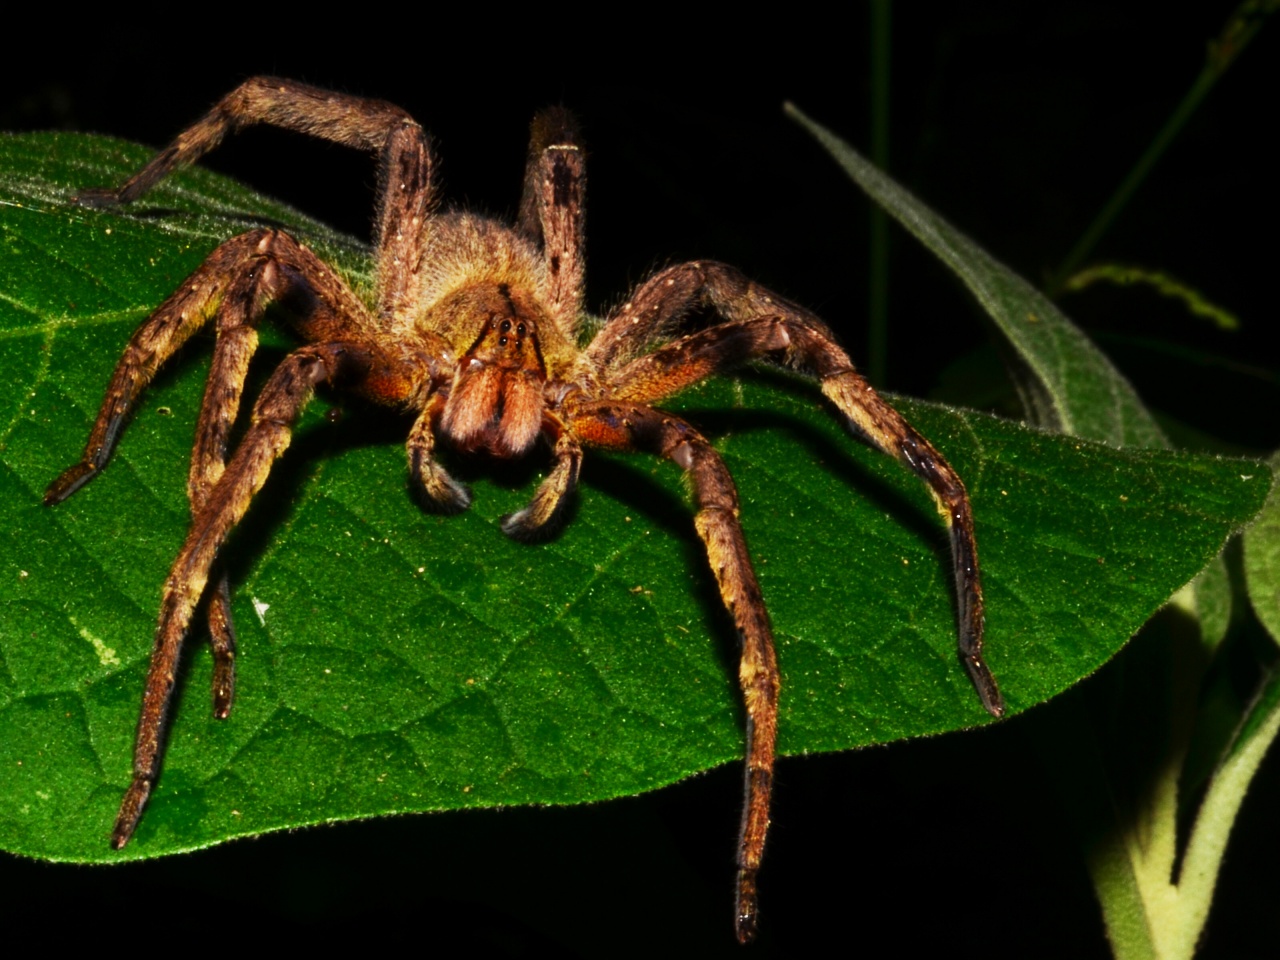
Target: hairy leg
357, 122
237, 341
552, 211
435, 489
269, 433
406, 195
630, 426
174, 321
233, 285
760, 323
279, 269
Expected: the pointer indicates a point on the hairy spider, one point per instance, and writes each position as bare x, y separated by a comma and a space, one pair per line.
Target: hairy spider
475, 328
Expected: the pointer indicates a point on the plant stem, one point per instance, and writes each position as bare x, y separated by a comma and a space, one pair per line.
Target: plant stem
878, 308
1217, 814
1239, 30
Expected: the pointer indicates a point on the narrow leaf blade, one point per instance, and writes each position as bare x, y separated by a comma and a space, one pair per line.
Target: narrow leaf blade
1069, 385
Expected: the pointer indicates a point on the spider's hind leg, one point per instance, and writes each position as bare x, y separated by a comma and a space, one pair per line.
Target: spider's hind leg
633, 426
552, 208
269, 434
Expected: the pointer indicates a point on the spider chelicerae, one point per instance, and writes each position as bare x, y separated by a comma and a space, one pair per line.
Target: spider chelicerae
476, 327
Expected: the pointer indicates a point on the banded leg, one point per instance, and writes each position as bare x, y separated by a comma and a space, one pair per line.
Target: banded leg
258, 282
552, 211
760, 323
406, 187
237, 341
546, 510
172, 324
638, 427
268, 435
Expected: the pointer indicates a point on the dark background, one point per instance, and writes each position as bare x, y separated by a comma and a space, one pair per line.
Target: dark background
1014, 123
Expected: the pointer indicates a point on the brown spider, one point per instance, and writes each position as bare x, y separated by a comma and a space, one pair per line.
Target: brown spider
475, 328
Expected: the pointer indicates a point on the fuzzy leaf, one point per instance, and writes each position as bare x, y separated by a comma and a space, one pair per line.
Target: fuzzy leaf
393, 661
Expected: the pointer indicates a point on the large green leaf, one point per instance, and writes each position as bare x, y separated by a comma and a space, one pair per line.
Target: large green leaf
393, 661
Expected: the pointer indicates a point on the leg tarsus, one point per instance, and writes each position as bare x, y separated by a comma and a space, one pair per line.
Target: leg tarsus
71, 480
431, 484
545, 513
135, 801
222, 637
746, 916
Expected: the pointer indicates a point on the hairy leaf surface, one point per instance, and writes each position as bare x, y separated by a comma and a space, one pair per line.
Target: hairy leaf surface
393, 661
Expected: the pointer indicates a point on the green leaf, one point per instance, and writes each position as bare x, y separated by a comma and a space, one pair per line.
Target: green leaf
1262, 562
1066, 383
393, 661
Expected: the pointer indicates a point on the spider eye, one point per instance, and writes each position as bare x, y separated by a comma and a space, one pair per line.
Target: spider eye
506, 325
520, 330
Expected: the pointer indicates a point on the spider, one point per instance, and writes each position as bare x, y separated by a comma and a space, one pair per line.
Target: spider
477, 328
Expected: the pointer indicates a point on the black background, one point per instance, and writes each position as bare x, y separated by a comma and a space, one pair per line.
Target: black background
1014, 123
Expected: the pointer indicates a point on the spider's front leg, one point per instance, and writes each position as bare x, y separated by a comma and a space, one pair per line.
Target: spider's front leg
268, 435
759, 324
633, 426
406, 194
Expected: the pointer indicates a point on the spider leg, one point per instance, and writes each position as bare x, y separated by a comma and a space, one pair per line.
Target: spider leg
760, 323
270, 431
275, 270
406, 195
172, 324
436, 490
358, 122
233, 285
545, 511
552, 211
633, 426
237, 341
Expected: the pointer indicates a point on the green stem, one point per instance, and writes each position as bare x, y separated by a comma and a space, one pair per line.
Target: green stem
1217, 814
1235, 36
1160, 281
878, 308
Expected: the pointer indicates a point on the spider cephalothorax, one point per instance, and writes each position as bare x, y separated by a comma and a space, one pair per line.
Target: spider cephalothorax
475, 329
